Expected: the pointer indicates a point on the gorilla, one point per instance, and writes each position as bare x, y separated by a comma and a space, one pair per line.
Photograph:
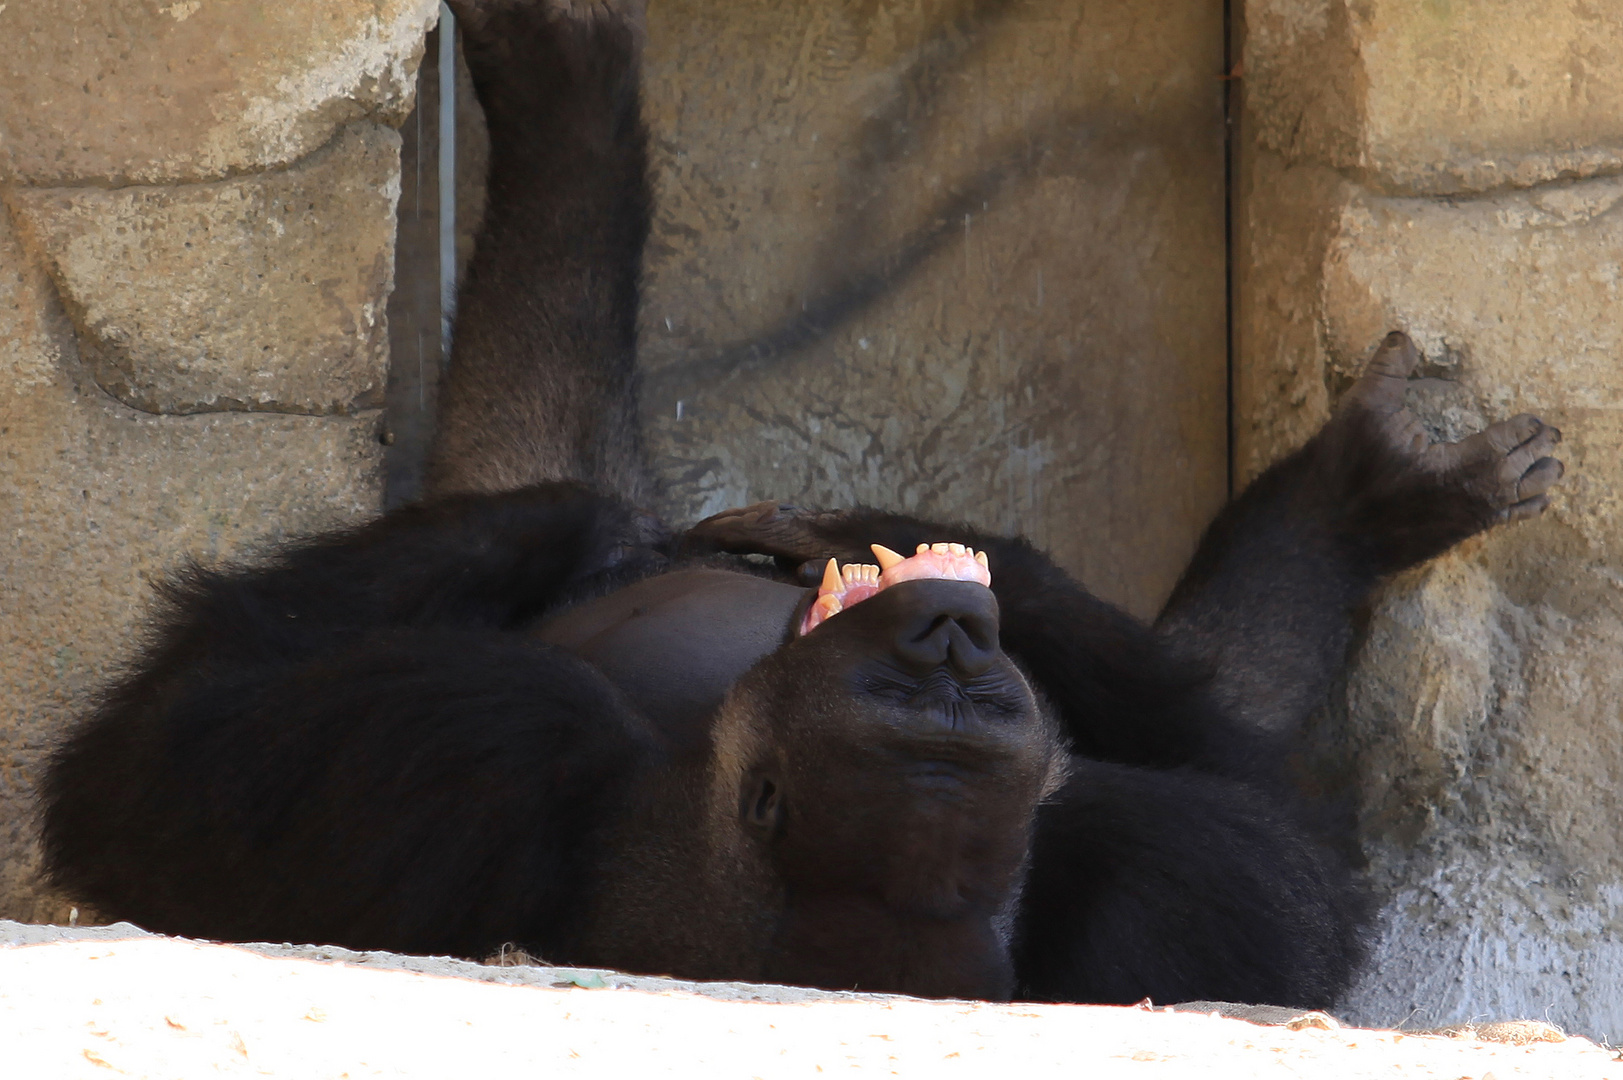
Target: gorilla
844, 749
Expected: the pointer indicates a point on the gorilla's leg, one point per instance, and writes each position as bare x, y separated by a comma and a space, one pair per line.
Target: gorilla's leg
348, 744
1177, 886
1268, 598
541, 381
422, 790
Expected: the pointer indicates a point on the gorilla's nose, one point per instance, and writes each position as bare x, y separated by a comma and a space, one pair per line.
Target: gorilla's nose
942, 624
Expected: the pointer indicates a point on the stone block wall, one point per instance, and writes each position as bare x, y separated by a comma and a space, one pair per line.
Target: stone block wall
197, 207
1456, 170
957, 258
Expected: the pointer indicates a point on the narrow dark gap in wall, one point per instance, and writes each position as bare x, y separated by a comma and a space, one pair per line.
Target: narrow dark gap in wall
444, 153
415, 355
1231, 106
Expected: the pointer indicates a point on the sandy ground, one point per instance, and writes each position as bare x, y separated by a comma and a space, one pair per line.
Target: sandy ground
104, 1002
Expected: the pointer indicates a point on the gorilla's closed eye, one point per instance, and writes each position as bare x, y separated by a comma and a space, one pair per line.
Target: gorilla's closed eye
761, 805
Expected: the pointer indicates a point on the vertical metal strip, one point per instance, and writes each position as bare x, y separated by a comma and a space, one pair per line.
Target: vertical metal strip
1231, 108
447, 178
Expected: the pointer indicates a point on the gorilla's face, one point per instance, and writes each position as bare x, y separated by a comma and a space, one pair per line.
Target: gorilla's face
891, 760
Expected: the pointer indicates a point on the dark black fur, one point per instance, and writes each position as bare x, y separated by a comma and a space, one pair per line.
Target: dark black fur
361, 741
551, 289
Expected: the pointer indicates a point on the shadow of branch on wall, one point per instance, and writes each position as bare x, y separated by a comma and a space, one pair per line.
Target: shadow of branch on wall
855, 277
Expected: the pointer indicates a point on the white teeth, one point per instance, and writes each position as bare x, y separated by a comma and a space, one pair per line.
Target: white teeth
923, 548
980, 557
956, 549
940, 549
832, 581
887, 558
859, 574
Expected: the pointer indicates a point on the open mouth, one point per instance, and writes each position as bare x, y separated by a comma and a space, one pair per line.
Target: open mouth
849, 585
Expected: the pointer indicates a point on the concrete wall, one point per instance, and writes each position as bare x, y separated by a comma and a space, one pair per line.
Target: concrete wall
197, 209
962, 258
1453, 169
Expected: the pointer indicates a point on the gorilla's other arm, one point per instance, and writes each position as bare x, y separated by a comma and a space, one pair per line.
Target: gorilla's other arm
1267, 600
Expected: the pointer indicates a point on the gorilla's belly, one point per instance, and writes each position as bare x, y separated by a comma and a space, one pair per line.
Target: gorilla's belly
674, 644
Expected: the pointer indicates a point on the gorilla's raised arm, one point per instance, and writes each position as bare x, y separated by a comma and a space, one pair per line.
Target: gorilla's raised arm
1266, 603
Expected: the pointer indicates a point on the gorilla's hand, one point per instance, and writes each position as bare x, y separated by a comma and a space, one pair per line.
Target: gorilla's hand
1402, 498
788, 533
1505, 467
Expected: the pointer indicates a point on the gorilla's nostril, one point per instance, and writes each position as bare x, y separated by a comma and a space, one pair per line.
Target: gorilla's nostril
963, 641
952, 625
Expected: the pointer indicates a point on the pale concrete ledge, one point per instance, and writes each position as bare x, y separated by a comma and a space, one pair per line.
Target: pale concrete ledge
116, 1001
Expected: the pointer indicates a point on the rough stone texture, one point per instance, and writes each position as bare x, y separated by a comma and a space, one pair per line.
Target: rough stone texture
91, 1004
260, 293
959, 259
97, 502
144, 91
228, 293
1439, 95
1478, 733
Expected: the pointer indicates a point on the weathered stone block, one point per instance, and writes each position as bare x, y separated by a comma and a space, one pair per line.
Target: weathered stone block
260, 293
146, 91
99, 501
1442, 95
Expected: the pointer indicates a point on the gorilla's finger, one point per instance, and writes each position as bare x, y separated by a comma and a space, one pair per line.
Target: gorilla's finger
1527, 508
1381, 385
811, 572
1527, 452
1490, 445
1540, 478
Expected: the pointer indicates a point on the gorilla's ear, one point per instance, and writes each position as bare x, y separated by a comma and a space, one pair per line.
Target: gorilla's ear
760, 805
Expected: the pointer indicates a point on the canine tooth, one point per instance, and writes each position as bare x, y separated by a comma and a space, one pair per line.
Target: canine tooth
832, 582
887, 558
980, 557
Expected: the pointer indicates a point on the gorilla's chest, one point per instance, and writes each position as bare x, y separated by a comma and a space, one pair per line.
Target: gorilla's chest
674, 644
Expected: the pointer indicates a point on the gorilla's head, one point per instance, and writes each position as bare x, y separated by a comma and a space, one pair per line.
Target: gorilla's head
877, 778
